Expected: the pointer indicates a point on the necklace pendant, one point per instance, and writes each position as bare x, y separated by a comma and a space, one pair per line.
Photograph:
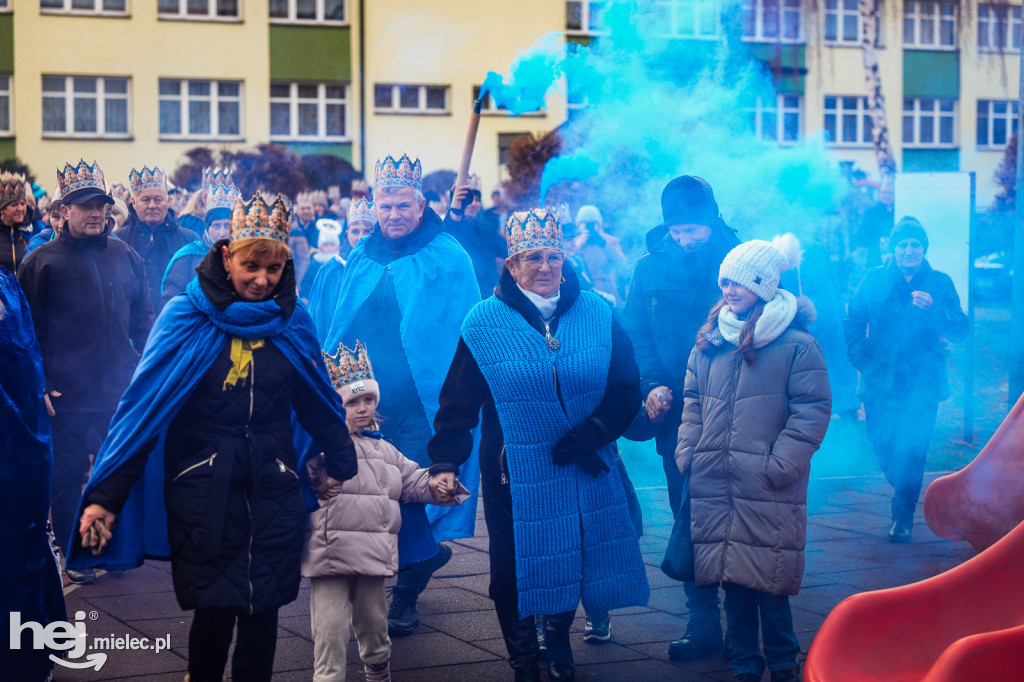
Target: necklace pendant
553, 343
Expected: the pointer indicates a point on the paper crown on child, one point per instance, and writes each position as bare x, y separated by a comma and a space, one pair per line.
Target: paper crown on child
405, 172
220, 189
82, 182
12, 188
537, 228
361, 211
350, 372
256, 219
147, 178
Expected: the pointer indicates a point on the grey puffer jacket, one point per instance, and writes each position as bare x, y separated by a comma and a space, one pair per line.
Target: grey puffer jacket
356, 532
747, 435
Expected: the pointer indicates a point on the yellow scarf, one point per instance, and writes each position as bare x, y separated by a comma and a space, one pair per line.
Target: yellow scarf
241, 360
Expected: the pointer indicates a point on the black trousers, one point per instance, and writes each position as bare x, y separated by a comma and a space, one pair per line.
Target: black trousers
665, 439
210, 638
76, 435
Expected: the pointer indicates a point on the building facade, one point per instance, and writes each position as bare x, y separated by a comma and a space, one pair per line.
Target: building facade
128, 82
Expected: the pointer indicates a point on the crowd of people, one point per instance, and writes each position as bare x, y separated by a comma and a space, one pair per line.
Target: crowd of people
206, 375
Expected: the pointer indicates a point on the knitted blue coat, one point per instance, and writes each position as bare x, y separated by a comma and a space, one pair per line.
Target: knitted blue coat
573, 535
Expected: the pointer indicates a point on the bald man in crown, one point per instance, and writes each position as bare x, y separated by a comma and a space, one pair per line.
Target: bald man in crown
407, 287
152, 229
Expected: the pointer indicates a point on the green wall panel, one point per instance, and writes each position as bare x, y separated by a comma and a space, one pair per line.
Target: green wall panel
930, 160
310, 53
931, 73
7, 149
788, 64
7, 43
342, 149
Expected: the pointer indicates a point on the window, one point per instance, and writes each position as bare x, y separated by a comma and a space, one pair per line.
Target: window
5, 5
410, 99
108, 7
778, 119
200, 109
85, 106
584, 16
929, 122
489, 106
307, 11
5, 105
308, 111
197, 9
998, 28
688, 18
929, 24
842, 22
771, 20
997, 121
847, 122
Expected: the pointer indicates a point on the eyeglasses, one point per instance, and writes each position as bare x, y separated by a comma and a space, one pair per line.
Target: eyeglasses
534, 260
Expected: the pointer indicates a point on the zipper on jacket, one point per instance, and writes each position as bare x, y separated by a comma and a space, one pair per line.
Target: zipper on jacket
248, 505
285, 468
206, 462
248, 568
501, 466
738, 364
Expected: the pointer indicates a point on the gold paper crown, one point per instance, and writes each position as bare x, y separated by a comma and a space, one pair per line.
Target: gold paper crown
12, 187
535, 229
404, 172
147, 178
220, 190
347, 365
361, 186
474, 182
362, 210
304, 198
256, 219
82, 176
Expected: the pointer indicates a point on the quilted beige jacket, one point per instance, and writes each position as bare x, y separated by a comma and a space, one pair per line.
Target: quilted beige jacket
746, 437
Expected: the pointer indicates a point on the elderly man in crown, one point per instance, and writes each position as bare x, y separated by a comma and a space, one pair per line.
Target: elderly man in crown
407, 287
152, 229
91, 310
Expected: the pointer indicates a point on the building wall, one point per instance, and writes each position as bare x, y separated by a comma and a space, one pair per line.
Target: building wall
145, 48
454, 43
7, 143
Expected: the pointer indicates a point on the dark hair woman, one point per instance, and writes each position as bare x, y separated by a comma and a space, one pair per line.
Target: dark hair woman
225, 368
555, 376
756, 406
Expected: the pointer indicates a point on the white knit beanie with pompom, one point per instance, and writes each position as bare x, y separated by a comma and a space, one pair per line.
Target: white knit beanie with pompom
757, 264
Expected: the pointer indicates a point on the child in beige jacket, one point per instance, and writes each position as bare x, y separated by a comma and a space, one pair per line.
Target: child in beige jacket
352, 544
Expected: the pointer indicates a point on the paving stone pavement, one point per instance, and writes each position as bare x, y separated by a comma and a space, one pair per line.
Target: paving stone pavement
458, 638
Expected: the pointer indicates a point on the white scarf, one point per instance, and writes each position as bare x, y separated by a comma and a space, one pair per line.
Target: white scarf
546, 306
777, 316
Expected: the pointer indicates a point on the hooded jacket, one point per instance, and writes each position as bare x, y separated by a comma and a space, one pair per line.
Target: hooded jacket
92, 313
747, 435
155, 246
13, 242
669, 299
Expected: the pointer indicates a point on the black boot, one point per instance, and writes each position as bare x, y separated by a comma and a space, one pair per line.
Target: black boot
412, 580
520, 635
699, 641
561, 665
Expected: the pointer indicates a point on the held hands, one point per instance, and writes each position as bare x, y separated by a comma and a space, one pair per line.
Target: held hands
95, 527
328, 488
922, 299
659, 402
443, 487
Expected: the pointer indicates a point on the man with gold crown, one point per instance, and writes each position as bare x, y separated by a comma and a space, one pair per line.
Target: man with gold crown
92, 312
221, 195
151, 228
230, 365
16, 227
407, 287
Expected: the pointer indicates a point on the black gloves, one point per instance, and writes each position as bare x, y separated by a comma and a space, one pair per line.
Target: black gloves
579, 447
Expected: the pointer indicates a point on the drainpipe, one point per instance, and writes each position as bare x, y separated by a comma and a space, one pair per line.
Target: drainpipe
362, 87
1017, 309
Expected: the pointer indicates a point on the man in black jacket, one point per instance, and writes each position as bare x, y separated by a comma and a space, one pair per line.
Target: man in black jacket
151, 228
15, 220
674, 287
91, 310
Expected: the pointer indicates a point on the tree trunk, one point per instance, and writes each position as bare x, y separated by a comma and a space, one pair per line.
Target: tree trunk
870, 16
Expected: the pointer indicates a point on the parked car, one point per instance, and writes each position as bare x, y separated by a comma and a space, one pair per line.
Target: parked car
993, 277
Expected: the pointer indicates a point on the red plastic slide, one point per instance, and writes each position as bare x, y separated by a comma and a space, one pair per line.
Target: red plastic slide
964, 625
985, 500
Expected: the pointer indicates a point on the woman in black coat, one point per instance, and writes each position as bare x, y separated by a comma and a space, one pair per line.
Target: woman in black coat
898, 322
236, 514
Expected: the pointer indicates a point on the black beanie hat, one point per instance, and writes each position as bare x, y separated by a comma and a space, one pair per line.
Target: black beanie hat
908, 228
688, 200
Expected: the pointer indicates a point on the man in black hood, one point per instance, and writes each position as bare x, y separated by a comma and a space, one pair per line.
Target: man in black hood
91, 310
674, 287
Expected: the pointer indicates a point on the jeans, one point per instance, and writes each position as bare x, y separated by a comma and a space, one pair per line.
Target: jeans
210, 638
742, 607
406, 426
702, 604
72, 446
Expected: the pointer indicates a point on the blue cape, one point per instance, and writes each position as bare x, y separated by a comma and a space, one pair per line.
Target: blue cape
323, 295
180, 350
435, 287
196, 248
